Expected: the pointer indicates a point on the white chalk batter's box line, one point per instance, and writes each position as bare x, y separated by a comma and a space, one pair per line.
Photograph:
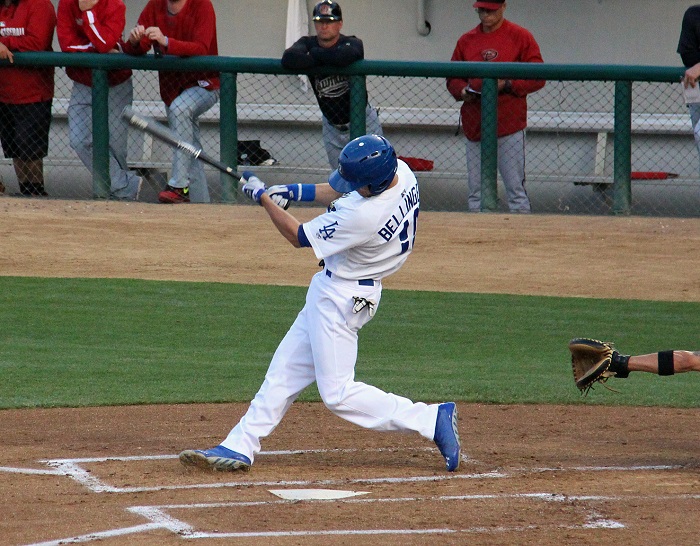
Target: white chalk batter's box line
72, 468
160, 519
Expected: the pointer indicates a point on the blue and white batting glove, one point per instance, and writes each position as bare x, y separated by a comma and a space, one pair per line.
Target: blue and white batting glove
253, 187
278, 197
294, 192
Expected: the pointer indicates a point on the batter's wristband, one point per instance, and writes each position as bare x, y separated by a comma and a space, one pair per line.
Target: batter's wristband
303, 192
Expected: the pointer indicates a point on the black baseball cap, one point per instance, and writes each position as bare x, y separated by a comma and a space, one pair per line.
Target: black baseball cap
327, 11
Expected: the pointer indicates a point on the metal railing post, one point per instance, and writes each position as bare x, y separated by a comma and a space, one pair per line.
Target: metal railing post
622, 165
489, 145
228, 126
358, 105
100, 134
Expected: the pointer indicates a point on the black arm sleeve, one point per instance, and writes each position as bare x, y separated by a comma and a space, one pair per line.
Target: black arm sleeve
348, 50
689, 41
297, 57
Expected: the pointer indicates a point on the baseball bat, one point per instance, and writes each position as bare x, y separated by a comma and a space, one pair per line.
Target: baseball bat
162, 133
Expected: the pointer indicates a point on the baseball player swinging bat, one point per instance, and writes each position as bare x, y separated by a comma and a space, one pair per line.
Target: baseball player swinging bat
162, 133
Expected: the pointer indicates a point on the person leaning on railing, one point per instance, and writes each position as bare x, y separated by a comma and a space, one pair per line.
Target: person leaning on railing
96, 26
331, 48
26, 94
185, 28
496, 39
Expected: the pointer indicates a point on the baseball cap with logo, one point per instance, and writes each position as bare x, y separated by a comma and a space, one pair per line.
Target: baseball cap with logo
496, 4
327, 11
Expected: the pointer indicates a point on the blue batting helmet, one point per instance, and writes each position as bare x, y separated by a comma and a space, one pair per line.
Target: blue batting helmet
369, 160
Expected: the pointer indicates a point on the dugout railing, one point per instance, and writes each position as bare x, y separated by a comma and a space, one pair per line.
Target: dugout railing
590, 105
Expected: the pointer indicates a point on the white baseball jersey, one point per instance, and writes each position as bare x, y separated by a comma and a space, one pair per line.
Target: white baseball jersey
361, 240
368, 237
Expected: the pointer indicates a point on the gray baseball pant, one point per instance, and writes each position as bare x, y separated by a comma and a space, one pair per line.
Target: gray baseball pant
183, 114
694, 109
123, 182
335, 139
511, 165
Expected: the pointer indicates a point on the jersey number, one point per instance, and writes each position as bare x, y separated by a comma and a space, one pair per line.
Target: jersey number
406, 242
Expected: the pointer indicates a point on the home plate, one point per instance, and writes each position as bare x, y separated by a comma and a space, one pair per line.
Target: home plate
315, 494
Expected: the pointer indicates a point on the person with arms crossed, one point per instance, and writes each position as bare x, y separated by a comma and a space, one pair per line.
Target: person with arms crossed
184, 28
366, 234
26, 94
96, 26
689, 50
331, 48
496, 39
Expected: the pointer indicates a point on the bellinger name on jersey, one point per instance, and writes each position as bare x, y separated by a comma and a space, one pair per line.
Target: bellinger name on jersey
411, 200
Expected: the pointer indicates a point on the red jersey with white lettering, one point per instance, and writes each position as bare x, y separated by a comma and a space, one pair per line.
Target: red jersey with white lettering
97, 30
190, 32
27, 26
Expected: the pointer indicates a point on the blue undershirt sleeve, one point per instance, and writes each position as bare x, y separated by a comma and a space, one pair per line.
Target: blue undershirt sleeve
301, 235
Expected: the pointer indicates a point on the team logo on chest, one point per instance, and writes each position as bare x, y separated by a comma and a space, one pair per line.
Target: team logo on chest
326, 232
489, 54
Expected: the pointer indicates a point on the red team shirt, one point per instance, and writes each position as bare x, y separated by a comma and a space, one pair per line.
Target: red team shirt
98, 30
191, 32
510, 43
28, 26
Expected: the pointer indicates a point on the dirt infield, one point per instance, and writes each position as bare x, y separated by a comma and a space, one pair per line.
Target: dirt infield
548, 474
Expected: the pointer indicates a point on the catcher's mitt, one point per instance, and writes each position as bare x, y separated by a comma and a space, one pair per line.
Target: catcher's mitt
590, 362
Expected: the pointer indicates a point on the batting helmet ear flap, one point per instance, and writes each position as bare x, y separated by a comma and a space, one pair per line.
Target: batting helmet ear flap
369, 160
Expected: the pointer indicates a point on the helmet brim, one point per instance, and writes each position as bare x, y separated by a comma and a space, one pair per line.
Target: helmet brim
340, 184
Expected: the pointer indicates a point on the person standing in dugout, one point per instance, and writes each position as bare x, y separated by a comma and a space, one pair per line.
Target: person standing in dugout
331, 48
496, 39
184, 28
689, 50
96, 26
366, 234
26, 94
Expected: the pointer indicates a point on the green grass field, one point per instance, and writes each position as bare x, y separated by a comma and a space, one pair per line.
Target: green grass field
88, 342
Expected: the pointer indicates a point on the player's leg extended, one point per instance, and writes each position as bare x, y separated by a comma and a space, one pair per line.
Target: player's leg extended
334, 342
290, 372
511, 164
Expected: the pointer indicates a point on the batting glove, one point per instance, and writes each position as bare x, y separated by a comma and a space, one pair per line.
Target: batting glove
294, 192
278, 197
253, 187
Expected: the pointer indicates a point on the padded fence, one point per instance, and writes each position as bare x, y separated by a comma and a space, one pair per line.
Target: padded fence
275, 127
